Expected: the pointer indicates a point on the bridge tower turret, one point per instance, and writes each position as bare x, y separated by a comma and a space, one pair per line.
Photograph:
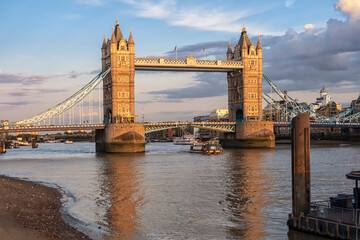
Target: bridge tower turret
229, 53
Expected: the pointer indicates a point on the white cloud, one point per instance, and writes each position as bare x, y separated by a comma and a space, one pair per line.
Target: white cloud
212, 19
350, 8
289, 3
309, 26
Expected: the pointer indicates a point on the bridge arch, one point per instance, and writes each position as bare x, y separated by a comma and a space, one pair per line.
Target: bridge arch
108, 116
239, 115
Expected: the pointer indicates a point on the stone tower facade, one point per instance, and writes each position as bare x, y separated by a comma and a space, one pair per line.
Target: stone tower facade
118, 87
245, 86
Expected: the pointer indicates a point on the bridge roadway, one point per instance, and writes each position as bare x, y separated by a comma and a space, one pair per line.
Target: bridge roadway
153, 127
149, 127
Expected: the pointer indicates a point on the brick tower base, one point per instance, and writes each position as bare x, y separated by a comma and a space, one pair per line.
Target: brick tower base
121, 138
250, 134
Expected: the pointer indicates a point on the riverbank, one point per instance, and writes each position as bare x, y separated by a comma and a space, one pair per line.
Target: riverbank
31, 211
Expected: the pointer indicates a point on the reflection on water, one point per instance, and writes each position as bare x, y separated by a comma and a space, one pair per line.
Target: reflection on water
245, 194
168, 193
121, 180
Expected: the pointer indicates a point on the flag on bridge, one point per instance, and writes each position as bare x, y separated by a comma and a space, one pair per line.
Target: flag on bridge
175, 50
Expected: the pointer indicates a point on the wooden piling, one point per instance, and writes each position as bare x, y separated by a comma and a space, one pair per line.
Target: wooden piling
2, 147
300, 164
34, 143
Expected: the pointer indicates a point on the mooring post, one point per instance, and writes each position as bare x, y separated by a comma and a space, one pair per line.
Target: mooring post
300, 164
2, 146
34, 143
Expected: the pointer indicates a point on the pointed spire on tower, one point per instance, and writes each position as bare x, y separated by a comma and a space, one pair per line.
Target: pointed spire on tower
113, 38
131, 39
258, 45
229, 48
244, 44
118, 33
104, 42
244, 38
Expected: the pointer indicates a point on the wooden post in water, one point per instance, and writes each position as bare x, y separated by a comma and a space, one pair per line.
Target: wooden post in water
2, 147
300, 164
34, 143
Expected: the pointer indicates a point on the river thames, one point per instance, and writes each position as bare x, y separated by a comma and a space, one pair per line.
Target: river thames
169, 193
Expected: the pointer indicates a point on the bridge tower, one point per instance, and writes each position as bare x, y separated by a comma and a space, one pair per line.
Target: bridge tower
121, 133
119, 54
245, 96
245, 86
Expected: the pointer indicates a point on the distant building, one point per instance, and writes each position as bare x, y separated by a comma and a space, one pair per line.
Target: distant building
218, 115
329, 110
356, 105
324, 105
270, 113
323, 100
204, 118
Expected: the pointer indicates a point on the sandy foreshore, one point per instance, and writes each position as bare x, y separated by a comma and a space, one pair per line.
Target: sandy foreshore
31, 211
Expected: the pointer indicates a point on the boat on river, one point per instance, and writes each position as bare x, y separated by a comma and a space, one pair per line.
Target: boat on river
212, 147
208, 148
184, 140
197, 147
68, 142
147, 140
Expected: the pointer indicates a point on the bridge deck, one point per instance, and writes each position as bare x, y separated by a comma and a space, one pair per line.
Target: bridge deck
187, 65
151, 127
50, 128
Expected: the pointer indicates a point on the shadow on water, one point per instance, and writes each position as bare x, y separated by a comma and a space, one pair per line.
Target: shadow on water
296, 235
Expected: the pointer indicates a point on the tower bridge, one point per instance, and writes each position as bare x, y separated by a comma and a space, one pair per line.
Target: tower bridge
120, 131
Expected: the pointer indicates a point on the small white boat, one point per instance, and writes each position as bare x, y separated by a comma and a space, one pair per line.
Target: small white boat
21, 143
184, 140
197, 147
68, 142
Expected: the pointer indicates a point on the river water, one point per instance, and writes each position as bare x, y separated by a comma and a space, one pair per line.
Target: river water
169, 193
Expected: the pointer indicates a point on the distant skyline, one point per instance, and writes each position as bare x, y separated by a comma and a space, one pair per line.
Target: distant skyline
50, 49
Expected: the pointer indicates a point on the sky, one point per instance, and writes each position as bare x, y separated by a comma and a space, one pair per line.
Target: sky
49, 49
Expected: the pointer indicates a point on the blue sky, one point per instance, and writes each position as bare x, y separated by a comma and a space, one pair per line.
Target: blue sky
49, 49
